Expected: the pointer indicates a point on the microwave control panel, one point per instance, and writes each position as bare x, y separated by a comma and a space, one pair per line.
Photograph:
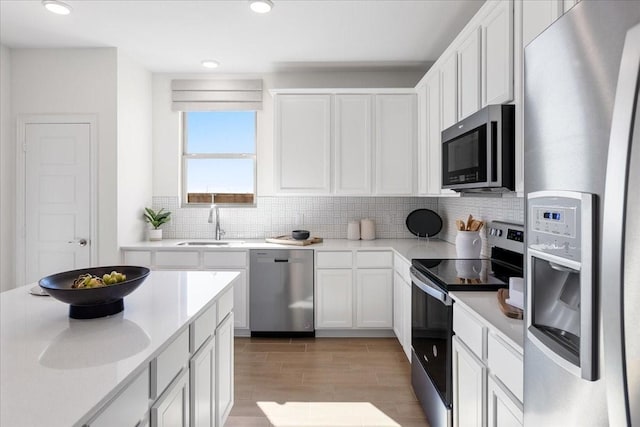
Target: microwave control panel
556, 221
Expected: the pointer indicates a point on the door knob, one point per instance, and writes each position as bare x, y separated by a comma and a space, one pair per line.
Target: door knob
80, 242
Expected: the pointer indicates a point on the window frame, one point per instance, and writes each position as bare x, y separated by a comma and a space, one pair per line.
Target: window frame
185, 157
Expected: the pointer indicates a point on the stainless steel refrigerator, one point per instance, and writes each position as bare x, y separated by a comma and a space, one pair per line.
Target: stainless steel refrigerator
582, 185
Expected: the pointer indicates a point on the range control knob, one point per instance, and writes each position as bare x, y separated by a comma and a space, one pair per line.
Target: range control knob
499, 233
492, 232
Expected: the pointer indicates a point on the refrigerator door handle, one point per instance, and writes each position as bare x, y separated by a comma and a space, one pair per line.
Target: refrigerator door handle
615, 233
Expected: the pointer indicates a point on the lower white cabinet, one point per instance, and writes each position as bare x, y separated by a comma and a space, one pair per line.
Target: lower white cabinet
202, 377
334, 298
503, 409
172, 408
469, 384
374, 298
224, 369
402, 304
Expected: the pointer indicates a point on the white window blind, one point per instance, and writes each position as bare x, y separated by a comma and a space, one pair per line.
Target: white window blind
216, 95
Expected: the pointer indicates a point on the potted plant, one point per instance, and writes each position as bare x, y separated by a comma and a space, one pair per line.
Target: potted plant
156, 219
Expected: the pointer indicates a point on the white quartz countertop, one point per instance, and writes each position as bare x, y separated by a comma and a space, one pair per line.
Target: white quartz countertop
56, 371
407, 248
485, 305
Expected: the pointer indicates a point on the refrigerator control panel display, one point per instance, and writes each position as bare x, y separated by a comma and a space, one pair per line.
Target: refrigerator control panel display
555, 220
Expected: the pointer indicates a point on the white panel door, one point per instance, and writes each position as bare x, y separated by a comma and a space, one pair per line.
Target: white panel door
303, 144
449, 91
469, 387
537, 15
374, 300
334, 298
57, 198
395, 140
353, 144
398, 308
224, 370
497, 54
469, 74
503, 409
202, 380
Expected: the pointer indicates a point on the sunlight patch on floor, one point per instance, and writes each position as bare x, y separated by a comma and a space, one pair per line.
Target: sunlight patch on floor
325, 414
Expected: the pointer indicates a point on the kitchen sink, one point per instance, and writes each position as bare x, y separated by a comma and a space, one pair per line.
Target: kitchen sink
210, 243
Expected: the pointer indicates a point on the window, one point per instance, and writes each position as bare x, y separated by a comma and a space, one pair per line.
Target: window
219, 158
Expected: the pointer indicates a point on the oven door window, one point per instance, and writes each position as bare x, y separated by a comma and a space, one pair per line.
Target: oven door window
464, 159
431, 337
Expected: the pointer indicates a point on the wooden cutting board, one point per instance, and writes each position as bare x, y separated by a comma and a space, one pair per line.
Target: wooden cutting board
288, 240
508, 310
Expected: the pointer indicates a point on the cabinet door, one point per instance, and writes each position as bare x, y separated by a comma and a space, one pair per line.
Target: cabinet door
449, 91
224, 369
142, 258
334, 298
353, 144
202, 376
303, 143
503, 409
497, 54
537, 15
469, 74
374, 298
398, 308
396, 130
469, 384
241, 301
172, 408
129, 407
406, 313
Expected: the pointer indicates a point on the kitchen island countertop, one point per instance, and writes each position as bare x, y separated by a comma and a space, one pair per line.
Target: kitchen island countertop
57, 371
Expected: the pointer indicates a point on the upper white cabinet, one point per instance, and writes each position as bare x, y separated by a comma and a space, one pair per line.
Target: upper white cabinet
370, 138
449, 90
395, 143
497, 54
353, 133
469, 74
303, 143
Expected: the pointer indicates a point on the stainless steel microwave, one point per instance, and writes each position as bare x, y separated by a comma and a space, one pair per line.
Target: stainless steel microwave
478, 152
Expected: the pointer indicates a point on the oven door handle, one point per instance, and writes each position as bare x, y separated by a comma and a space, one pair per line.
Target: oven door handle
430, 288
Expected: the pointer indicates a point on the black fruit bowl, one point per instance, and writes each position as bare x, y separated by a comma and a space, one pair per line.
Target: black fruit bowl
300, 234
89, 303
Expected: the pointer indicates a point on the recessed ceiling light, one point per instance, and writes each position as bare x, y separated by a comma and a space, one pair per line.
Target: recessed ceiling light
261, 6
57, 7
210, 63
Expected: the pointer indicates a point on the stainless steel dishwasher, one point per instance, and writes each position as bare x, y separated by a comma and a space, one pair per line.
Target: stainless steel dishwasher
281, 292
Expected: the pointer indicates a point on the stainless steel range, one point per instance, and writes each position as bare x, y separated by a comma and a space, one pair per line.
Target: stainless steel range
432, 312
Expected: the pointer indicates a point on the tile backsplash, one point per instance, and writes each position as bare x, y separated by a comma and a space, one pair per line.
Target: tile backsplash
328, 216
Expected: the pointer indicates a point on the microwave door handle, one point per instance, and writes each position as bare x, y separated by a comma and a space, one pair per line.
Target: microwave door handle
494, 151
429, 288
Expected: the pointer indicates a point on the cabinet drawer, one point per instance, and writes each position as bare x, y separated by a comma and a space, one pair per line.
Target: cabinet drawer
223, 259
142, 258
469, 330
343, 259
177, 259
202, 328
225, 304
168, 364
506, 364
374, 259
129, 407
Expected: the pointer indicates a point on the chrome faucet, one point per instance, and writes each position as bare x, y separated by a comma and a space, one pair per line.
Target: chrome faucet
219, 232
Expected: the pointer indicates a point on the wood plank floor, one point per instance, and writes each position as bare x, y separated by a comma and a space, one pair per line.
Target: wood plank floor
323, 382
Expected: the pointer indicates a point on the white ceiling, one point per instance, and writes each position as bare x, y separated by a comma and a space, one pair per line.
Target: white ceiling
174, 36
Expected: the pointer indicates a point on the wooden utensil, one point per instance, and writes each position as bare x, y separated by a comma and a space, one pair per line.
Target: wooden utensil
460, 225
469, 221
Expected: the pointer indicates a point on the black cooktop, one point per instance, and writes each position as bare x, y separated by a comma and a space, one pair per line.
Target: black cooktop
467, 274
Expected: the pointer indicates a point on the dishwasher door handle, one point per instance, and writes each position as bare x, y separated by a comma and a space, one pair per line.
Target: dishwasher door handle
280, 260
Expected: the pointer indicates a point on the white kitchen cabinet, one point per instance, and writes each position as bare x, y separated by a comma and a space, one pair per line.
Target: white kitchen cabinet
202, 378
469, 77
503, 409
353, 143
334, 298
497, 53
395, 142
469, 385
172, 407
374, 298
224, 370
142, 258
402, 303
177, 259
537, 15
303, 143
129, 407
398, 308
449, 90
568, 4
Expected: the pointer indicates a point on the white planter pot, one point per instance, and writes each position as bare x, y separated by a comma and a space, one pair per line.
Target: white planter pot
155, 234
